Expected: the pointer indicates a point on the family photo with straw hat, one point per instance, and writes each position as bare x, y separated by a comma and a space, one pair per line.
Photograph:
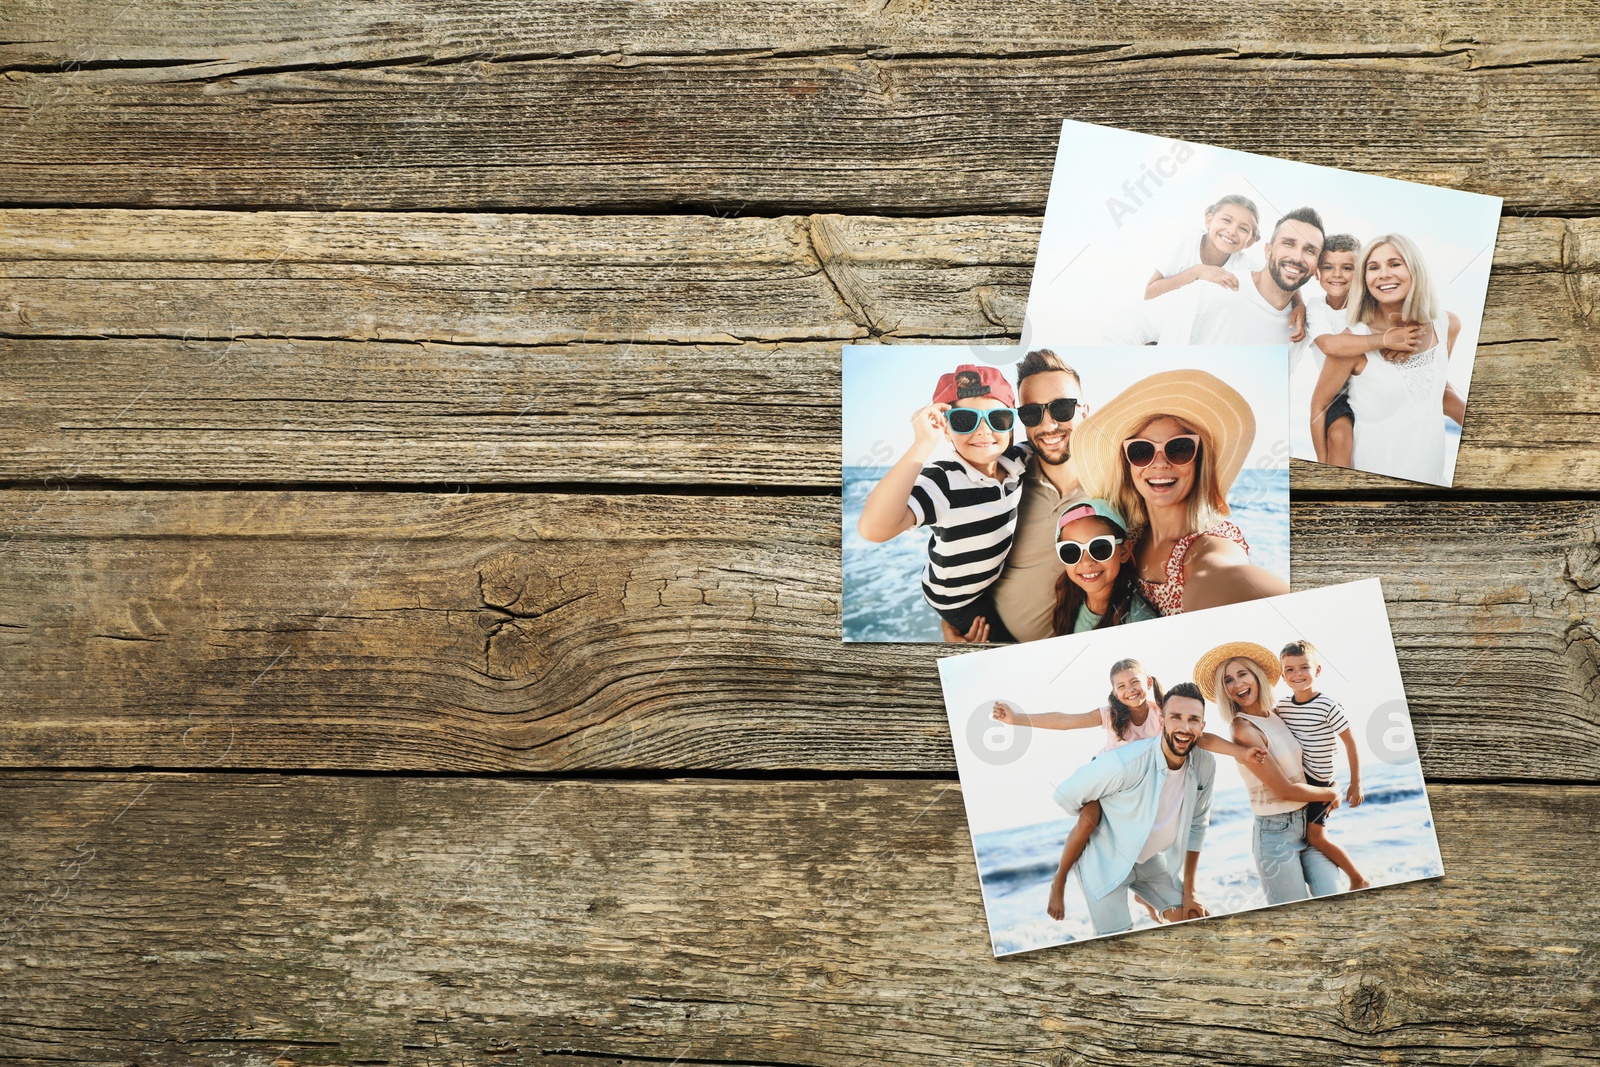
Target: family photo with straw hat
1049, 497
1188, 766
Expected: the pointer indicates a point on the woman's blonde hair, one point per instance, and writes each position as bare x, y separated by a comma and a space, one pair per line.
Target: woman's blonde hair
1225, 703
1207, 504
1421, 304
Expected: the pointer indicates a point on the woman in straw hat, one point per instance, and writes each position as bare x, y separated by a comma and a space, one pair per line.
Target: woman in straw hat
1165, 451
1239, 677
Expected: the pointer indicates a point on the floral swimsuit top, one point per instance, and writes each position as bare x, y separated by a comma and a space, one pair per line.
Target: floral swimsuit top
1167, 596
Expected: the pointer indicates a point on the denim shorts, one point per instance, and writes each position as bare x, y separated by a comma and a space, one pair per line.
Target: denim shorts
1289, 868
1152, 880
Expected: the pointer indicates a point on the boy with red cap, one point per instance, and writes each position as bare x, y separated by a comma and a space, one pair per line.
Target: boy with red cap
970, 501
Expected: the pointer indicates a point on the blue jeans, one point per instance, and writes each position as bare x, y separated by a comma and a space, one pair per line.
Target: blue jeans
1290, 869
1152, 880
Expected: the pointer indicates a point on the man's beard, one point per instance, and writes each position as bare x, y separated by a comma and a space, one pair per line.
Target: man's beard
1272, 269
1055, 460
1172, 745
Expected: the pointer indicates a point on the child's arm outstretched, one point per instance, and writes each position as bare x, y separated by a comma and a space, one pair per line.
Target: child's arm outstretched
1159, 283
1071, 852
1045, 720
887, 512
1353, 794
1221, 746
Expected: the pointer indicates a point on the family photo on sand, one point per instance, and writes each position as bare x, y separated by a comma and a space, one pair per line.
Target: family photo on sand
1376, 285
1249, 764
1041, 510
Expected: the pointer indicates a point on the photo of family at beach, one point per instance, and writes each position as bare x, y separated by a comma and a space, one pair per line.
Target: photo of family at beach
1377, 285
1188, 767
1052, 496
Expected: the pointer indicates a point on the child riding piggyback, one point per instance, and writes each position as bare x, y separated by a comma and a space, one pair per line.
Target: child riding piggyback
969, 501
1231, 226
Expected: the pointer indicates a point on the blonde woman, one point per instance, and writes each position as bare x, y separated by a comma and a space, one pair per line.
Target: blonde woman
1239, 677
1165, 451
1395, 356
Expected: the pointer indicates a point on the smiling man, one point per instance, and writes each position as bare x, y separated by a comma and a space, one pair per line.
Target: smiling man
1155, 805
1256, 313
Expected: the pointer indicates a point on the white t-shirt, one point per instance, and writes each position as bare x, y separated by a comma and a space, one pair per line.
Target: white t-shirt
1204, 314
1165, 831
1238, 317
1185, 253
1305, 367
1320, 320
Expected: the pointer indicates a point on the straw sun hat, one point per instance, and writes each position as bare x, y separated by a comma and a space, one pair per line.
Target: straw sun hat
1205, 672
1193, 397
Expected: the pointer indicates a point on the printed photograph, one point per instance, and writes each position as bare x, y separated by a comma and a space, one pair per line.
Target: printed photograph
1376, 284
1188, 767
1060, 492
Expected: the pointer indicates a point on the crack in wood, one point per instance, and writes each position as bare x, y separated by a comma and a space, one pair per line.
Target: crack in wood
829, 246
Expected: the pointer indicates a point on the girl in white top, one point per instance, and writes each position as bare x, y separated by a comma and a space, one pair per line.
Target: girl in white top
1131, 712
1232, 225
1395, 357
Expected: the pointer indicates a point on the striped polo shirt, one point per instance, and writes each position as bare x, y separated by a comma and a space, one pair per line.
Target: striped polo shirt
973, 518
1316, 724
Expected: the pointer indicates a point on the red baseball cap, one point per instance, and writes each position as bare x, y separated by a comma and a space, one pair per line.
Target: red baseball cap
972, 379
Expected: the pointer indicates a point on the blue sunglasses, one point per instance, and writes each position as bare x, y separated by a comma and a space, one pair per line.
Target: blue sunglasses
965, 420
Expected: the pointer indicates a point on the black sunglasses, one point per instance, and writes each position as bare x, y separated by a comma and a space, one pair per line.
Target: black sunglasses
1180, 450
1061, 410
965, 420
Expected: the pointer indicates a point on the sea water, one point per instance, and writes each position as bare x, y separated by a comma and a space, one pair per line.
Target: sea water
1390, 838
882, 582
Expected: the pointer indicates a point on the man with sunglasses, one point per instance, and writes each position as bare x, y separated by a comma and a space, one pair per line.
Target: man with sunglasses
970, 502
1024, 596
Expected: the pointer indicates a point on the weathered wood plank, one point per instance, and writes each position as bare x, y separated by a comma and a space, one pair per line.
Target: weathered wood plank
149, 346
571, 633
249, 35
838, 923
847, 133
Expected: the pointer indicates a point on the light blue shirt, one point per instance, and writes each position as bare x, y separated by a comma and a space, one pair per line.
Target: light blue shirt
1139, 610
1127, 782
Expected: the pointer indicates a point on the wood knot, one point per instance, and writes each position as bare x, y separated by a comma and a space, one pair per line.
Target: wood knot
512, 583
1002, 305
1365, 1007
1583, 567
1578, 269
519, 595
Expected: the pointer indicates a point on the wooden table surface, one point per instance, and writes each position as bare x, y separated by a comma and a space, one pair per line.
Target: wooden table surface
420, 544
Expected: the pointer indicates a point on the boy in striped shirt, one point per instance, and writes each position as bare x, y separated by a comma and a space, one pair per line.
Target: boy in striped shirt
970, 501
1316, 720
